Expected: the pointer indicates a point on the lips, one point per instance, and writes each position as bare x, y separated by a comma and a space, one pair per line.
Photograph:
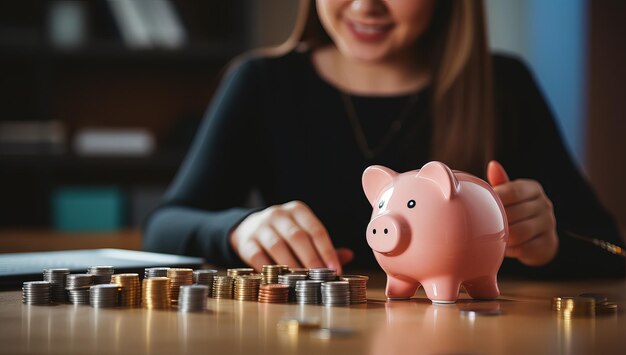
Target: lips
369, 32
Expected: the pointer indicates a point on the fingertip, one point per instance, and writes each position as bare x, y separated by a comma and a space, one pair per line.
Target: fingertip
345, 255
496, 175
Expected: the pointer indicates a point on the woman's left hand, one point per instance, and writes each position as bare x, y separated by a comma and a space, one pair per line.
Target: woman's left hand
532, 226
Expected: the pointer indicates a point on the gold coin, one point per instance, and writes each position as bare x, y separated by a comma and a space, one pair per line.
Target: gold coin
294, 326
568, 307
156, 293
130, 293
178, 277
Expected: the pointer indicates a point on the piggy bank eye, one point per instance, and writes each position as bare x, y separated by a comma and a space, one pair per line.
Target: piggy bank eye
381, 204
410, 204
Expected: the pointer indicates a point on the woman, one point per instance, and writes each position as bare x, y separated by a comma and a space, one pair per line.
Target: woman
395, 83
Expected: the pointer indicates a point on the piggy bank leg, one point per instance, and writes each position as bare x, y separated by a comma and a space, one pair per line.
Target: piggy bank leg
484, 287
442, 290
400, 289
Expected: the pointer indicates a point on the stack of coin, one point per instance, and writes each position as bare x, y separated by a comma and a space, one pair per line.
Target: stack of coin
36, 292
569, 307
271, 272
130, 294
299, 271
205, 277
239, 271
322, 274
178, 277
290, 280
56, 277
101, 274
274, 293
77, 286
156, 293
603, 306
155, 272
192, 298
606, 308
223, 287
104, 295
336, 293
308, 292
358, 287
247, 287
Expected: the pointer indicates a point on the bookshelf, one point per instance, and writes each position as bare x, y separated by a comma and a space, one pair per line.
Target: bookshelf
97, 79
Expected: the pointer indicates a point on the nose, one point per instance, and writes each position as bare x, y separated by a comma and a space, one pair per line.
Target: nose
369, 7
387, 233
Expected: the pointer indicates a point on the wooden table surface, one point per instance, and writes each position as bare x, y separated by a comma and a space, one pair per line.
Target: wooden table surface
527, 326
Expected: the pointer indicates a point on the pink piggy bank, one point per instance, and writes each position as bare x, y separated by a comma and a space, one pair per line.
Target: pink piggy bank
435, 228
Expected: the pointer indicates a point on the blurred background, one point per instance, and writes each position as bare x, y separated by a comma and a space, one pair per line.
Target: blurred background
100, 99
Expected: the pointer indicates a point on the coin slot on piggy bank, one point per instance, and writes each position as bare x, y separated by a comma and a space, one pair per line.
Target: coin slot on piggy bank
437, 229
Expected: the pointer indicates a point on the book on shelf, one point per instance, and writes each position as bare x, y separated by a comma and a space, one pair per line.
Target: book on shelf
132, 142
32, 137
145, 24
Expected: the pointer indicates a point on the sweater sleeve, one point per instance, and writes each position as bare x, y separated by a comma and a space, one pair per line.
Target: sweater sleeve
204, 202
541, 155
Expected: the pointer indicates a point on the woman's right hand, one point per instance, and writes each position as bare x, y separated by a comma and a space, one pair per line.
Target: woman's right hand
288, 234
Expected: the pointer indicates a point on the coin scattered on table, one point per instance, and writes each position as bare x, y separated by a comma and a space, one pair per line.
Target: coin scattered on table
568, 307
596, 296
330, 333
296, 325
474, 312
606, 308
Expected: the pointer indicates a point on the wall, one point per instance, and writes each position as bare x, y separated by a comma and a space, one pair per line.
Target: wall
550, 35
576, 54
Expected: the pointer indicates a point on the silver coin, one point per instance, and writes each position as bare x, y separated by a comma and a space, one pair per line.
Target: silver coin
155, 272
193, 298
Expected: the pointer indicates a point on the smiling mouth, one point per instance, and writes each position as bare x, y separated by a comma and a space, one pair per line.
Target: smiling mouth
370, 29
367, 32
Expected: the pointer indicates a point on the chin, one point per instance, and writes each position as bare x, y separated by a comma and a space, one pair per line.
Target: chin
366, 55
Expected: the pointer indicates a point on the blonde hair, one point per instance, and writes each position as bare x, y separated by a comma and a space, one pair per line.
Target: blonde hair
460, 67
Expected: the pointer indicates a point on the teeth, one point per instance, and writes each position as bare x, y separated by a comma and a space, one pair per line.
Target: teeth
368, 29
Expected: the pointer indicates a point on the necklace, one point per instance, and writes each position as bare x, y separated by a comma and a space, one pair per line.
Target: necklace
359, 134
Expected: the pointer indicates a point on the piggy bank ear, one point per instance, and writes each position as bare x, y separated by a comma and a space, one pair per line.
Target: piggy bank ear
440, 174
375, 178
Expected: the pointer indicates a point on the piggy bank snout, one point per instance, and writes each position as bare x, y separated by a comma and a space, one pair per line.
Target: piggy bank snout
387, 233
